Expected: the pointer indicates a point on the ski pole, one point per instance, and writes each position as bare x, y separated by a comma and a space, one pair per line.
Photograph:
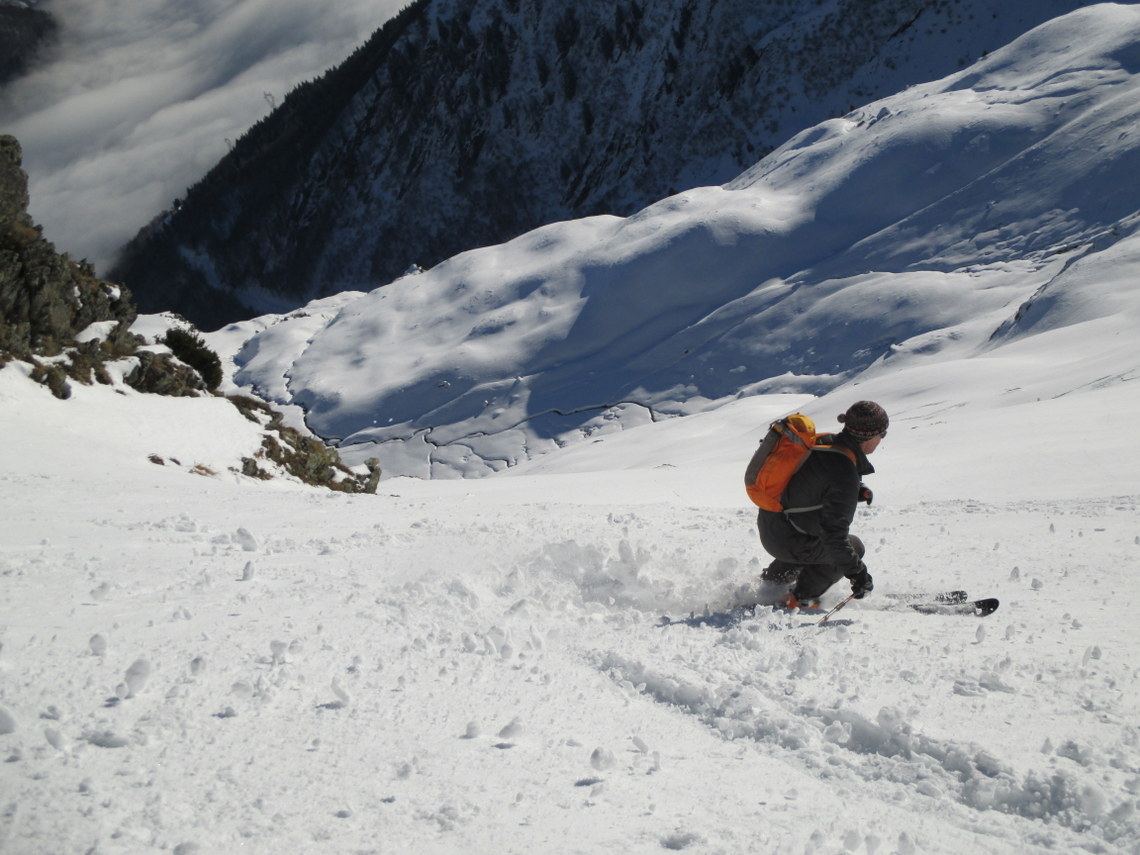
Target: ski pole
834, 609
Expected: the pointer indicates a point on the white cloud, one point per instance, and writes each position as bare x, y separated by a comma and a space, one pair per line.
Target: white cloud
139, 99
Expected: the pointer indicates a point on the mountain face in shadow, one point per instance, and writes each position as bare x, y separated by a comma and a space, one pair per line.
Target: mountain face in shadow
24, 31
461, 124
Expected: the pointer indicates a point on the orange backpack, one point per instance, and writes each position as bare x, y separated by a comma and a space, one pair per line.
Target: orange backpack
783, 451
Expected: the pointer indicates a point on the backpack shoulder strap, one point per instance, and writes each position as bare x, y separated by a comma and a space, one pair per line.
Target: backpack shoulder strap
826, 442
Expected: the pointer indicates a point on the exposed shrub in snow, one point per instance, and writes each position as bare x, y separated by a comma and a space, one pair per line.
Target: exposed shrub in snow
303, 457
54, 377
161, 374
68, 325
190, 348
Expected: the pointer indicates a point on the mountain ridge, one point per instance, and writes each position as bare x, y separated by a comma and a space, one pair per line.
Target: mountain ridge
909, 231
461, 125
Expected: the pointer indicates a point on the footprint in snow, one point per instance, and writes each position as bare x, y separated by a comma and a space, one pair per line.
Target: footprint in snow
136, 678
98, 645
342, 697
106, 739
601, 759
277, 651
680, 840
245, 540
512, 730
133, 682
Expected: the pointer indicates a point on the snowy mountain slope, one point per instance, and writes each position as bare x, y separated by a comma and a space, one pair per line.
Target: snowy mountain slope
199, 664
462, 124
935, 225
196, 664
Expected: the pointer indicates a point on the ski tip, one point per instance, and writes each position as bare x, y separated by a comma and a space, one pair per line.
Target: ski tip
986, 607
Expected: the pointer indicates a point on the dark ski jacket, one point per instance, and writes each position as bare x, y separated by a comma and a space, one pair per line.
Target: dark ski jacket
827, 489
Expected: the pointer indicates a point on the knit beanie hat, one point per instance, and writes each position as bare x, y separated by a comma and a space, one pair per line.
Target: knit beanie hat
865, 420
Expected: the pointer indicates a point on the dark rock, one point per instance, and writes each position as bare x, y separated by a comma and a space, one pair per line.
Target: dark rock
24, 32
46, 299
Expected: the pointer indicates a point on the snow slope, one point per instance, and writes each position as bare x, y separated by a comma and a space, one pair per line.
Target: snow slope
529, 113
947, 222
212, 664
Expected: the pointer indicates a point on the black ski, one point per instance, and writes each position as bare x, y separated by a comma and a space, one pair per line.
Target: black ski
948, 597
978, 608
934, 603
946, 603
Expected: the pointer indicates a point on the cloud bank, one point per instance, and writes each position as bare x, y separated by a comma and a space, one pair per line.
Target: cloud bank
141, 97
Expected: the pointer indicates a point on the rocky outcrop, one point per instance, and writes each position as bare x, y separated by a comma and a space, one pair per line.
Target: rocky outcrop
46, 299
70, 326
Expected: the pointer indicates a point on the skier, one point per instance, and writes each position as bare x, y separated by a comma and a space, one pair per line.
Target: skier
810, 539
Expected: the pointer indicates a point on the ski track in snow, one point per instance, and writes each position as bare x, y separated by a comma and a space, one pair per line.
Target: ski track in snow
291, 671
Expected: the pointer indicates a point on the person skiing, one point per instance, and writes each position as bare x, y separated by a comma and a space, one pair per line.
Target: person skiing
810, 539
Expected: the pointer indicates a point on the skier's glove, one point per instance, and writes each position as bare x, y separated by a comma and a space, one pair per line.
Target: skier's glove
865, 494
861, 582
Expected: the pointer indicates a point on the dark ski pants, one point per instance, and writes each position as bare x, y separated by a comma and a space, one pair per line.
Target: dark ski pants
810, 581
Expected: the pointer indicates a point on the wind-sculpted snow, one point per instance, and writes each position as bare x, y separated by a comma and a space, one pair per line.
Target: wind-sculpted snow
917, 229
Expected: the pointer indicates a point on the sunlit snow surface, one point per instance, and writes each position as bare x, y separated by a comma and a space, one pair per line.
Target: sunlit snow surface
209, 664
951, 221
453, 666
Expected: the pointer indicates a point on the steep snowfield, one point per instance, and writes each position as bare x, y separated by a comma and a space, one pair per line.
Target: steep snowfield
210, 664
909, 232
